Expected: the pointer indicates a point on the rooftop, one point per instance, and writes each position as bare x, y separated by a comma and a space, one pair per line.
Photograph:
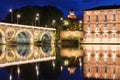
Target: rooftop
104, 7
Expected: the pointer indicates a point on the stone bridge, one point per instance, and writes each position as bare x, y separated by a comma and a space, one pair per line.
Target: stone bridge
14, 33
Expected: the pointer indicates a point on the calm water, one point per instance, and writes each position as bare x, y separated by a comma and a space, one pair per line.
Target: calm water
56, 62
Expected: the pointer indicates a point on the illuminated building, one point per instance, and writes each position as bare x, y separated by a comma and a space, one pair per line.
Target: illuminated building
101, 25
72, 15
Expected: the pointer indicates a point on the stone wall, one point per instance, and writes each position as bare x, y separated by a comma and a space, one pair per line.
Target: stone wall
71, 35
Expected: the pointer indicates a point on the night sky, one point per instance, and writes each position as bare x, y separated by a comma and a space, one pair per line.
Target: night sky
63, 5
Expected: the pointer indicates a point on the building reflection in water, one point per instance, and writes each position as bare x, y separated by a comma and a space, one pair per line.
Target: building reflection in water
102, 61
71, 63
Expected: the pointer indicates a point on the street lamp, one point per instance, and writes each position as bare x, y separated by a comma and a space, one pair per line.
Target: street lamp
18, 16
80, 23
36, 19
53, 22
37, 14
11, 12
61, 19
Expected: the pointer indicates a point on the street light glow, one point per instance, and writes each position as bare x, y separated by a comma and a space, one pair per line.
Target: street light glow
10, 10
36, 18
61, 18
37, 14
53, 22
18, 16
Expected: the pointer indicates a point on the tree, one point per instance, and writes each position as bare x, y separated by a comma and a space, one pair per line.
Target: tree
28, 15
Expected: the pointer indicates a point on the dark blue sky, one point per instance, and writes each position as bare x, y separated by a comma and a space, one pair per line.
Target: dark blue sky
64, 5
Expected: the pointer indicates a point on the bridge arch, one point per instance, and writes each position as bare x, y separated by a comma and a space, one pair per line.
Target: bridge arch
2, 50
47, 49
24, 36
2, 37
46, 38
24, 51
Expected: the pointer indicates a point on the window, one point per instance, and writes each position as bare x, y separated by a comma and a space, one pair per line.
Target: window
88, 28
105, 18
96, 35
114, 17
88, 36
113, 35
105, 27
96, 27
114, 27
96, 18
88, 18
105, 35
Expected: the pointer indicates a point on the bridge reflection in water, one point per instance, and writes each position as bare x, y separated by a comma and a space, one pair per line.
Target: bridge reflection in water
21, 54
49, 62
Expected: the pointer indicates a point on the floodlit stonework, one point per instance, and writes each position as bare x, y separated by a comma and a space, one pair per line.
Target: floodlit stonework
102, 25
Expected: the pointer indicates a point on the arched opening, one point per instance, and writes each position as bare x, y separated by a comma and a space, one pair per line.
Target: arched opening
23, 50
23, 37
46, 48
46, 38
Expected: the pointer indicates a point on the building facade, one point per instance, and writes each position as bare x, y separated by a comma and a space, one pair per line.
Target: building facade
102, 25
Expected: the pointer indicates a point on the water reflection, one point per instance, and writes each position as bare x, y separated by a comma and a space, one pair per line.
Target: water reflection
71, 61
23, 50
102, 61
50, 62
46, 48
22, 54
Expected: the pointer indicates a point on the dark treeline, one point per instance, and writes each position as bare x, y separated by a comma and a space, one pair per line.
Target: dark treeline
47, 15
